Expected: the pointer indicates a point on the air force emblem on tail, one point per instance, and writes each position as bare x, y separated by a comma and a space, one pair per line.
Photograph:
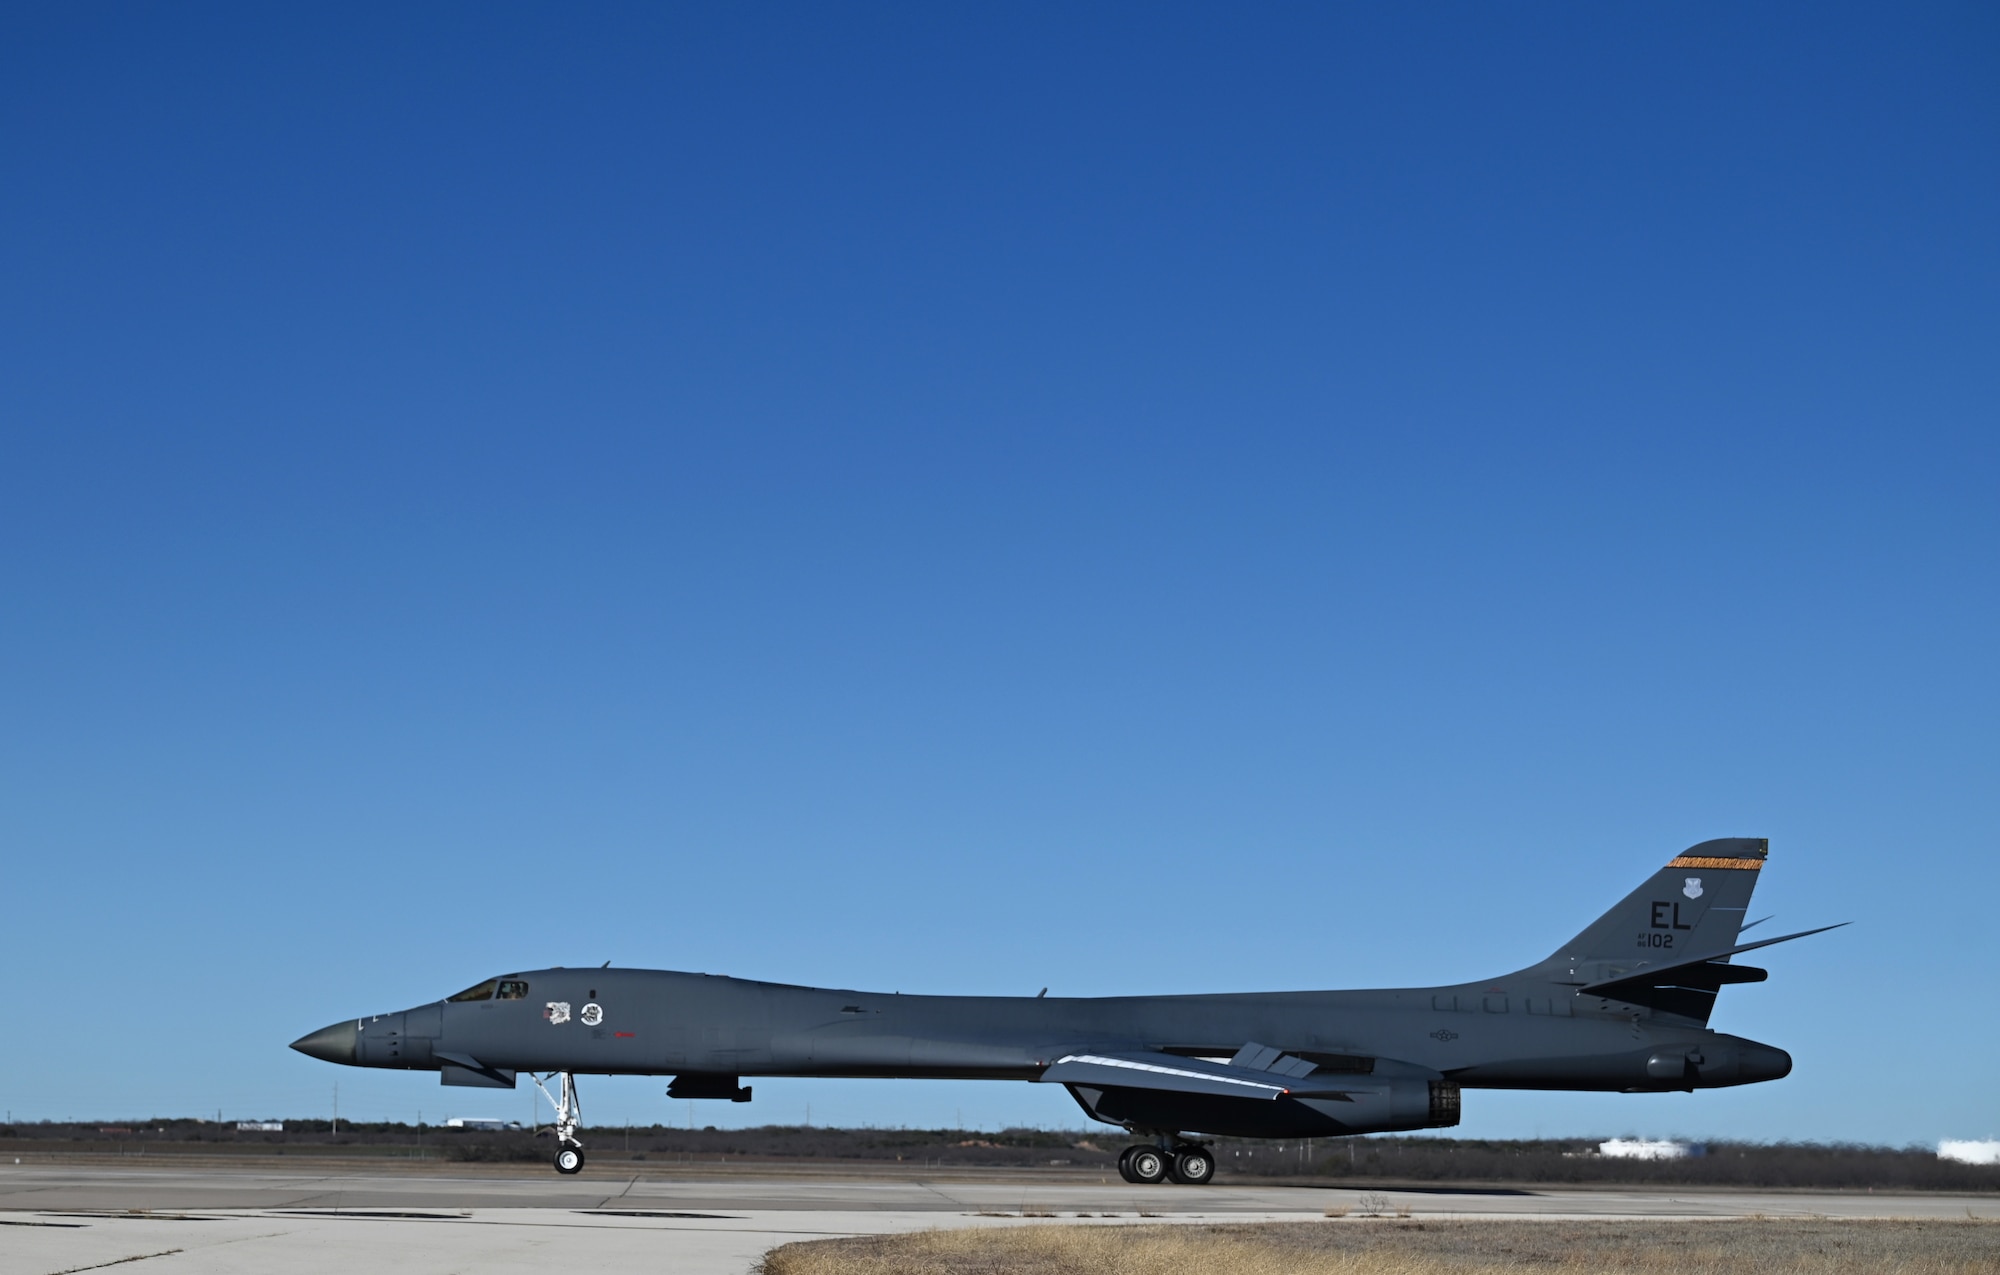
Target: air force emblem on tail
1693, 888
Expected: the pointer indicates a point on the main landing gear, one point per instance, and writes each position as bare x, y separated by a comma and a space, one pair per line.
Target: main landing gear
569, 1114
1188, 1163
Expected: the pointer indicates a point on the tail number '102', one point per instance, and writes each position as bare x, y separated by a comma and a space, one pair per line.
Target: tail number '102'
1656, 939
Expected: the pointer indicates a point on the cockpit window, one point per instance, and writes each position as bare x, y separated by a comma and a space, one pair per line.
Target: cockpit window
512, 989
483, 992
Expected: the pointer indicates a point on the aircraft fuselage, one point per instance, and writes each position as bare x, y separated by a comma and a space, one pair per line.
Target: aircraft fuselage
1623, 1006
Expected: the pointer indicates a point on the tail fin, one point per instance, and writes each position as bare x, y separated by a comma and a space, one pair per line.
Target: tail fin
1690, 909
1667, 945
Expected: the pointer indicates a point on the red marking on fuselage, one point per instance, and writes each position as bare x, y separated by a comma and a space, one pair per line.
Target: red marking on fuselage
622, 1035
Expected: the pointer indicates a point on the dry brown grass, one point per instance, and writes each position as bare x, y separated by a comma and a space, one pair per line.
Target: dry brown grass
1417, 1248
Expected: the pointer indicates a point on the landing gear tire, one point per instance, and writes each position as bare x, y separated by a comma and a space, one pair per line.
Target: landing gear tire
1125, 1164
1145, 1165
569, 1160
1193, 1166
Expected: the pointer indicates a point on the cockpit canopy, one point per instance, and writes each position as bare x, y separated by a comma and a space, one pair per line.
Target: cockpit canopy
494, 989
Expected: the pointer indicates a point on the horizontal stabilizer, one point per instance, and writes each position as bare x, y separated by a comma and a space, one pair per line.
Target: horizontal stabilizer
1782, 938
1687, 987
1686, 990
1642, 972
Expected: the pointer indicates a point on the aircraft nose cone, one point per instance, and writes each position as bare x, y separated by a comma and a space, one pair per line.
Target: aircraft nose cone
335, 1044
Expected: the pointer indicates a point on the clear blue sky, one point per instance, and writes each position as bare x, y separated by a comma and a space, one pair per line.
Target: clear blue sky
962, 499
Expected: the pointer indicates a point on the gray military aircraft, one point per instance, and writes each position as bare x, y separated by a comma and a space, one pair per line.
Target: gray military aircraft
1623, 1006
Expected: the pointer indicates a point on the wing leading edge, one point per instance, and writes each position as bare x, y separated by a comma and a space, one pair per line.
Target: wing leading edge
1260, 1092
1257, 1072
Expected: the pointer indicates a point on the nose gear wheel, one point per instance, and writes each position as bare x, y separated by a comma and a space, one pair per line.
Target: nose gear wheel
569, 1116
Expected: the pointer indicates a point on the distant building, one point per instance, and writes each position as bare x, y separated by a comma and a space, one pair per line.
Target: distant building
260, 1126
1645, 1149
1987, 1152
480, 1122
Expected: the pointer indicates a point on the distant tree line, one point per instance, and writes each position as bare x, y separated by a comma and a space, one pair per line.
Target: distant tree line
1347, 1161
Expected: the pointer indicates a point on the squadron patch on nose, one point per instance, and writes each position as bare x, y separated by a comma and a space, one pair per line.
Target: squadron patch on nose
1693, 888
592, 1014
557, 1012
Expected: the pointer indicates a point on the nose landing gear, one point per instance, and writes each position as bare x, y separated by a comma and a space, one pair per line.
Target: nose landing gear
569, 1115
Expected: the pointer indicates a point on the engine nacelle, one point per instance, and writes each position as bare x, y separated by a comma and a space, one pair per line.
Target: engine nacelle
1390, 1105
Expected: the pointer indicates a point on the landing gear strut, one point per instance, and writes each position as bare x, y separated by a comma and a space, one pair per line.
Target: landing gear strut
569, 1114
1188, 1163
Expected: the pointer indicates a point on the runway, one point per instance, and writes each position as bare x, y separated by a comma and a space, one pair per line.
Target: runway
298, 1219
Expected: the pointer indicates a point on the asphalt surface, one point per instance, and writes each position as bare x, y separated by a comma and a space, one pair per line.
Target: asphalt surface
284, 1220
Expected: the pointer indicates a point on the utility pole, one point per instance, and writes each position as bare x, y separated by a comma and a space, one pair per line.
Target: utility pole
336, 1108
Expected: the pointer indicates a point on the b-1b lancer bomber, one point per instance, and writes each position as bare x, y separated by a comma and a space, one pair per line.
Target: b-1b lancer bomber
1623, 1007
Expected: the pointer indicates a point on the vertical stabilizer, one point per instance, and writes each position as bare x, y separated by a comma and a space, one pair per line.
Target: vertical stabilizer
1689, 909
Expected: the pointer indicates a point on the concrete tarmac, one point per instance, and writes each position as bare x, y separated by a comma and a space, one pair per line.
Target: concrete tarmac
306, 1219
